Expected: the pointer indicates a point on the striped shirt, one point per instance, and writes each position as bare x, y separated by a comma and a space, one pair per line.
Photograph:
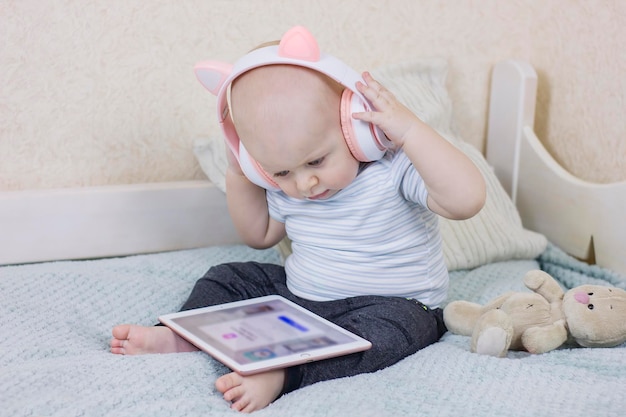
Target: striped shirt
374, 237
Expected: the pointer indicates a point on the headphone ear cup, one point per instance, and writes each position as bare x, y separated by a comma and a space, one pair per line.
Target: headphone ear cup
359, 135
253, 171
346, 124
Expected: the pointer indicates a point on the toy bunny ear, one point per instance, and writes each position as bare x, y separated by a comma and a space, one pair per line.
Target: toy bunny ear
298, 43
212, 74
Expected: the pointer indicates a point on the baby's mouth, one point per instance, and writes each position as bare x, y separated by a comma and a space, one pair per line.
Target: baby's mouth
319, 196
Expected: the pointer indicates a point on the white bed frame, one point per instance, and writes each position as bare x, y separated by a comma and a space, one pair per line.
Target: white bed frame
586, 220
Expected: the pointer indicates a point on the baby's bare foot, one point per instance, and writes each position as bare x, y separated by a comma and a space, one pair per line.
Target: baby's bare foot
129, 339
252, 392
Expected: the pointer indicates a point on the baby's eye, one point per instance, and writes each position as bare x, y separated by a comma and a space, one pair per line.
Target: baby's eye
281, 174
316, 162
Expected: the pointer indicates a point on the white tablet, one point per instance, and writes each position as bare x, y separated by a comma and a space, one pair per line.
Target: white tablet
263, 333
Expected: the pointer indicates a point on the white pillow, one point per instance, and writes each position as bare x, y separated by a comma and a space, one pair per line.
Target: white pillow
494, 234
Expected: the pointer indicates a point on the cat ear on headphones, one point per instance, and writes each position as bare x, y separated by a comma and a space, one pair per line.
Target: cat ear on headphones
212, 74
299, 43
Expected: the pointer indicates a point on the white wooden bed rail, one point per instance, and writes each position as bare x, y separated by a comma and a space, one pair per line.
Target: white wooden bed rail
586, 220
94, 222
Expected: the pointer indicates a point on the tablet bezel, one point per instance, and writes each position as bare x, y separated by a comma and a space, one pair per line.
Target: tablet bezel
356, 343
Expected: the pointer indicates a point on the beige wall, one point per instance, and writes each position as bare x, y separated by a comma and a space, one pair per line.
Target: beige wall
102, 92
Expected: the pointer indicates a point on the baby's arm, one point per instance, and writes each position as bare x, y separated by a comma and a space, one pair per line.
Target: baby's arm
247, 206
456, 188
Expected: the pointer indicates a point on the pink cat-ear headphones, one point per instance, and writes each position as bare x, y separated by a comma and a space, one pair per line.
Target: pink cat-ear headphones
296, 47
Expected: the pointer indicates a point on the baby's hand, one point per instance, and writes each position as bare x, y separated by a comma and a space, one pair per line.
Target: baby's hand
391, 116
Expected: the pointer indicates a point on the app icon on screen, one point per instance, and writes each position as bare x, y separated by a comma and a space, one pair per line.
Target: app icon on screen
260, 354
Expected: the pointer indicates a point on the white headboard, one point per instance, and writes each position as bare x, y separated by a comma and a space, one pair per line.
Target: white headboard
586, 220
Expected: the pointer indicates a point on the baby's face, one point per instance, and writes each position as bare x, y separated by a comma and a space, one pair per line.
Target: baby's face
288, 119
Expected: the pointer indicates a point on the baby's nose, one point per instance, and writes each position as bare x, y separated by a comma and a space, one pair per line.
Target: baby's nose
306, 183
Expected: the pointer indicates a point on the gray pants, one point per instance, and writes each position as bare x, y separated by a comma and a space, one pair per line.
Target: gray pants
397, 327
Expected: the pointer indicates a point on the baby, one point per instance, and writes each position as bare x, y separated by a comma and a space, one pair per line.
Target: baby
366, 248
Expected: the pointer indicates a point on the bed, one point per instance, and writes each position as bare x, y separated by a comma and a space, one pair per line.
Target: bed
76, 262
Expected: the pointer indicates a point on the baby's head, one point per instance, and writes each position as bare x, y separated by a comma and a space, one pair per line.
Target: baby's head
288, 118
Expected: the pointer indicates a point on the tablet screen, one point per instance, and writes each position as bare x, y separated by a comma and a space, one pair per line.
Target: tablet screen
263, 333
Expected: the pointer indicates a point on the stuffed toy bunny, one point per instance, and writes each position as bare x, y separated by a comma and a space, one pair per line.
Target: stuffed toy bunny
542, 320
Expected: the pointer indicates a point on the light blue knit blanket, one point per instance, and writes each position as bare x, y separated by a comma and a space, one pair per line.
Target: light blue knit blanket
55, 322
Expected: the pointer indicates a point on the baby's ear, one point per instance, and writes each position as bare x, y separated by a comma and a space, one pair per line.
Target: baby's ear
212, 74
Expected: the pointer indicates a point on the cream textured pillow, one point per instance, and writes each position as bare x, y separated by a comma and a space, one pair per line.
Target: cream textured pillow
494, 234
